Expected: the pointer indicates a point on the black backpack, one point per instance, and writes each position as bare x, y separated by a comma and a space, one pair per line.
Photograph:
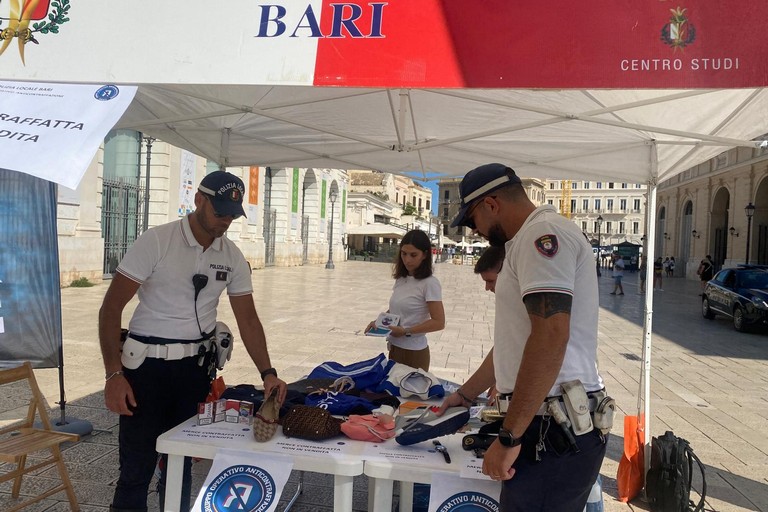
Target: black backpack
668, 482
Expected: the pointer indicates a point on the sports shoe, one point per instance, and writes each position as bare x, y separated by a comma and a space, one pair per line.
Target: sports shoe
422, 424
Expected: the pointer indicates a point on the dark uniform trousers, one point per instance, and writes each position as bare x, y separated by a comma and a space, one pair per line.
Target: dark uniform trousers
167, 393
557, 479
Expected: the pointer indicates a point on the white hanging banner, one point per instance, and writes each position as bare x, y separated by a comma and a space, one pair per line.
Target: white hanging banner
241, 480
450, 492
52, 131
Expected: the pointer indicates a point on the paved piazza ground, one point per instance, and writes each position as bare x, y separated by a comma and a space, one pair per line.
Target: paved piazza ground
709, 383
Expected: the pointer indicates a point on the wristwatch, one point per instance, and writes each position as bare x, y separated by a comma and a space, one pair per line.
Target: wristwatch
268, 371
508, 439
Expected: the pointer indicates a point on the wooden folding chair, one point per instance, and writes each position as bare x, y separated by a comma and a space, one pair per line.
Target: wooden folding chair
21, 439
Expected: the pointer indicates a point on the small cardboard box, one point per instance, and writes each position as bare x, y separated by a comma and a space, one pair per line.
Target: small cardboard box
204, 413
219, 408
232, 411
246, 412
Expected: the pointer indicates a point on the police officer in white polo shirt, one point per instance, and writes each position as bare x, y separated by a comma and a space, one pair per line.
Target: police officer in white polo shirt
546, 455
179, 270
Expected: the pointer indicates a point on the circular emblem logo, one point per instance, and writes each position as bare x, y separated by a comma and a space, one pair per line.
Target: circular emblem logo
469, 501
240, 488
106, 93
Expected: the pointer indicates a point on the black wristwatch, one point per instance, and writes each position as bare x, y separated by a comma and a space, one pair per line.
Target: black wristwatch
508, 439
268, 371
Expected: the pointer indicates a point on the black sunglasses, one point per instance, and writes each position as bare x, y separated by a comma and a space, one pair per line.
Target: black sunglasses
218, 215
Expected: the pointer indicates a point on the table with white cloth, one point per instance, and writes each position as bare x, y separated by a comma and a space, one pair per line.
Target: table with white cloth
339, 456
419, 463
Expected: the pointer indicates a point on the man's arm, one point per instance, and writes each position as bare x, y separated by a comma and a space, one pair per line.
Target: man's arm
482, 379
550, 315
255, 340
118, 394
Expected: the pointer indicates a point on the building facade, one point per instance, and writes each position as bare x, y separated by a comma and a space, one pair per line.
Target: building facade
135, 183
717, 208
614, 212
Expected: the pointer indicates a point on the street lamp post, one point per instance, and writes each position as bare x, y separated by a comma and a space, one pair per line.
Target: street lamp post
332, 196
149, 141
599, 249
750, 211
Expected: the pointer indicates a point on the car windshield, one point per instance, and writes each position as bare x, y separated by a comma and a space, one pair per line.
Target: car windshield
753, 280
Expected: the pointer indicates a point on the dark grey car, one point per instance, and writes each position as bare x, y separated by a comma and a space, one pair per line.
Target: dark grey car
740, 293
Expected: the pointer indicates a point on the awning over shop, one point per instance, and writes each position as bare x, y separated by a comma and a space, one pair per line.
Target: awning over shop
377, 229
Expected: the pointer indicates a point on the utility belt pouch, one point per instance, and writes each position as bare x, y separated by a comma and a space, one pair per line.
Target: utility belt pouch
577, 405
134, 353
223, 341
603, 415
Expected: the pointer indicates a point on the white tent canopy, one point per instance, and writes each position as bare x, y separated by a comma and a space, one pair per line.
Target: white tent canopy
621, 135
378, 230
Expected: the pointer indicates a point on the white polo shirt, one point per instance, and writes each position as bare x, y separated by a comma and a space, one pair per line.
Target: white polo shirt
548, 254
163, 260
409, 300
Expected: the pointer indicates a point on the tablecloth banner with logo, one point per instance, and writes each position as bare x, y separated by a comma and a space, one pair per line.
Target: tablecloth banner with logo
52, 131
451, 492
30, 297
244, 481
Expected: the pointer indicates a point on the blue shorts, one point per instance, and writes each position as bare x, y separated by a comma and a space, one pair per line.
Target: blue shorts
617, 279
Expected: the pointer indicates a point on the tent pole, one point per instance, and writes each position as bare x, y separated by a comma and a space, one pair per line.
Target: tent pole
648, 325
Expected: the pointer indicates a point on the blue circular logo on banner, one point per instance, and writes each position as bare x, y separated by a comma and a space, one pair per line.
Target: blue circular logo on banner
240, 488
469, 501
106, 93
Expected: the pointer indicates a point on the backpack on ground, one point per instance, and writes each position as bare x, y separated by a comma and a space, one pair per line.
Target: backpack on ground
668, 482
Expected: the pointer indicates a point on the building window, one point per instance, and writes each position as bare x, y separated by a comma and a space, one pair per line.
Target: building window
447, 195
445, 212
419, 203
586, 185
574, 185
637, 185
573, 205
636, 205
621, 227
609, 205
583, 225
445, 229
635, 228
549, 201
585, 204
551, 186
597, 205
428, 205
610, 184
608, 229
597, 228
599, 184
623, 205
397, 197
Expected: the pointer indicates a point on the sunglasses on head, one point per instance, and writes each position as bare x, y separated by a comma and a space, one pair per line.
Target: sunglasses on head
218, 215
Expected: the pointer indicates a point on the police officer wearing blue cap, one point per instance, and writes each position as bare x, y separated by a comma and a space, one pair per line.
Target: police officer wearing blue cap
179, 271
545, 342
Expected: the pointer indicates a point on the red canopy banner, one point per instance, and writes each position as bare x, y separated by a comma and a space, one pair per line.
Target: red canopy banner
557, 44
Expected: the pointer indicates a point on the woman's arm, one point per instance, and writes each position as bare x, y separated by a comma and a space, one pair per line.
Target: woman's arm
436, 321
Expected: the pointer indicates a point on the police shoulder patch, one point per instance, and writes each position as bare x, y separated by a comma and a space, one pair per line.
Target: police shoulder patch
547, 245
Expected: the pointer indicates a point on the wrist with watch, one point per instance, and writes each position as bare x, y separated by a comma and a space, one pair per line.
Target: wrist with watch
508, 439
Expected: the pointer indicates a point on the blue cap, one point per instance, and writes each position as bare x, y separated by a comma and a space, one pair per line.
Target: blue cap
480, 182
226, 192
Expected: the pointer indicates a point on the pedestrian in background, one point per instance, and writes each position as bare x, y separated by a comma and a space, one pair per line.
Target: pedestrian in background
705, 271
658, 278
618, 273
416, 299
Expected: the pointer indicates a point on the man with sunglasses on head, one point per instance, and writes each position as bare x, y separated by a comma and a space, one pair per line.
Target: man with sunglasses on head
179, 271
545, 336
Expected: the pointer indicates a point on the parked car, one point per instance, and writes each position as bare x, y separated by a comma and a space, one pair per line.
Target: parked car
739, 293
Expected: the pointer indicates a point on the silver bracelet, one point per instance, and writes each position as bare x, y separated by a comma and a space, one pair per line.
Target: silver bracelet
113, 374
